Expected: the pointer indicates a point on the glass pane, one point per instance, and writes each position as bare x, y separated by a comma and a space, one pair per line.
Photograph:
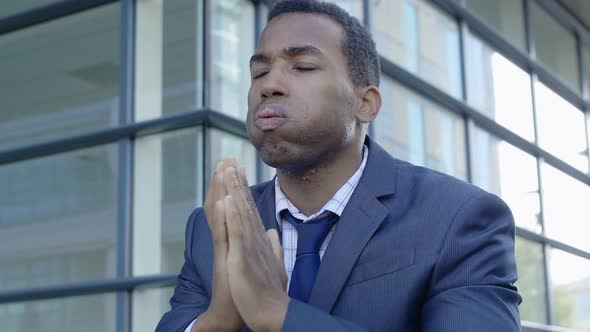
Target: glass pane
555, 46
565, 209
353, 7
586, 55
570, 289
414, 129
182, 56
510, 173
561, 128
232, 45
226, 145
60, 78
168, 78
498, 88
8, 8
420, 38
149, 305
505, 16
168, 187
91, 313
531, 280
71, 196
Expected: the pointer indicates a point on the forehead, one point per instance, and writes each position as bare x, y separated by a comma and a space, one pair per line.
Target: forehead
302, 29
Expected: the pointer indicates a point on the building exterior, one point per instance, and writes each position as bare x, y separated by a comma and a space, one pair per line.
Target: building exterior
113, 113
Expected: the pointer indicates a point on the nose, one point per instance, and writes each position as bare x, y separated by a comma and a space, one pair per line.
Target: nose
273, 84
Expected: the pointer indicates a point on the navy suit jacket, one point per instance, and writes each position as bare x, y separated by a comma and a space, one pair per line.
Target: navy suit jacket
414, 250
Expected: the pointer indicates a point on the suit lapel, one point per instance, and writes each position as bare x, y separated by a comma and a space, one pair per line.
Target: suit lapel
361, 218
266, 206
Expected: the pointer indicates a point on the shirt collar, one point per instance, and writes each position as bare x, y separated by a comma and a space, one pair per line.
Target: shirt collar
336, 204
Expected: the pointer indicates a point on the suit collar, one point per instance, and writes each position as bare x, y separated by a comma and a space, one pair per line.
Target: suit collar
380, 175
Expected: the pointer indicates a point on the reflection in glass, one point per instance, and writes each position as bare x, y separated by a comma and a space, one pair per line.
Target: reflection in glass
498, 88
555, 46
353, 7
531, 280
566, 211
91, 313
232, 45
570, 289
58, 218
225, 145
420, 38
153, 304
181, 56
416, 130
510, 173
60, 78
561, 127
168, 187
505, 16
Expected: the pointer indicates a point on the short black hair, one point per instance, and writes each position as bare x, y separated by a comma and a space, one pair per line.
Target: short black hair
357, 45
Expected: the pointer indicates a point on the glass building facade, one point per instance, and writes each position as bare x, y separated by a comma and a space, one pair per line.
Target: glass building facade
113, 114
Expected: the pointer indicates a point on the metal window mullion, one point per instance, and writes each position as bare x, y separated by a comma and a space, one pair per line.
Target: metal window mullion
207, 52
125, 160
467, 122
47, 13
368, 23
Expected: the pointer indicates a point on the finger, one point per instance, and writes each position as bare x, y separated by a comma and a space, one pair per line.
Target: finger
251, 205
233, 187
219, 230
277, 249
273, 237
235, 231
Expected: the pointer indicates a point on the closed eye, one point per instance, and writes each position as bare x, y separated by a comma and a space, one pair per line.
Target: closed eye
258, 75
305, 68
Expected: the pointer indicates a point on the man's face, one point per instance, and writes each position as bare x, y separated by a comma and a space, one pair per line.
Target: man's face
301, 103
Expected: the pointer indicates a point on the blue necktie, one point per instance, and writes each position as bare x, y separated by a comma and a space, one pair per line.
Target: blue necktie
310, 237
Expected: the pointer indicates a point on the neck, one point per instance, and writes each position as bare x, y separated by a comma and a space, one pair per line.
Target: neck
312, 188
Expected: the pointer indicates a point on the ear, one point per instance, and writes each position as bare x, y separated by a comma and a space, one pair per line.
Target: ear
370, 98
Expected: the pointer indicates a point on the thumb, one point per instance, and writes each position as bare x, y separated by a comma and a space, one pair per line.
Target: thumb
277, 249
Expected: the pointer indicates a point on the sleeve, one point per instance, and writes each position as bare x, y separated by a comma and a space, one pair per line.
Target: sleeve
304, 317
472, 285
190, 298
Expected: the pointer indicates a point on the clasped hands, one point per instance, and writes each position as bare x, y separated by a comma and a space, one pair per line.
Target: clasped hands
249, 278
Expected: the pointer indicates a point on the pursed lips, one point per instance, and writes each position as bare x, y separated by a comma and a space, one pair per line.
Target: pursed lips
269, 117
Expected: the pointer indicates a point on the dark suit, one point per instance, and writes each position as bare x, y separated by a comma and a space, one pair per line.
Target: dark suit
414, 250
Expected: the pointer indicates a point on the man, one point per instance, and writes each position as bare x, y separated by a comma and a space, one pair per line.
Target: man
402, 248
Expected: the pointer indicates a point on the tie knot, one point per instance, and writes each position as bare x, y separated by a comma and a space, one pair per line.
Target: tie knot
311, 235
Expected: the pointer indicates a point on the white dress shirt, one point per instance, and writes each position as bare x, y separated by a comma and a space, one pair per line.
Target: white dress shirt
336, 205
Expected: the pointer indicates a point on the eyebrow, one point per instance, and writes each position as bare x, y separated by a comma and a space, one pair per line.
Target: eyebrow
291, 51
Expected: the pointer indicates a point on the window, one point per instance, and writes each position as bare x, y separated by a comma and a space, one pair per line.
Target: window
168, 186
505, 16
531, 280
92, 313
498, 88
420, 38
561, 127
60, 78
232, 45
510, 173
8, 8
71, 196
555, 46
566, 212
413, 129
570, 289
227, 145
169, 55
